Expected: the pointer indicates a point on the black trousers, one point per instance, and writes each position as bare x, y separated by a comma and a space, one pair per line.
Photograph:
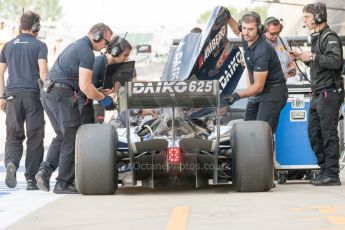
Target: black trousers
323, 132
25, 107
61, 106
266, 106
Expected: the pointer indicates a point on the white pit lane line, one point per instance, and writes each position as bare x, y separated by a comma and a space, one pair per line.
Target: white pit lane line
18, 202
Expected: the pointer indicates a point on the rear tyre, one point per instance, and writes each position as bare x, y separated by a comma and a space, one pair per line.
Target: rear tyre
252, 156
96, 172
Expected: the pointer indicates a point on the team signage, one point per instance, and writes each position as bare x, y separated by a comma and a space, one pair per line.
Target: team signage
172, 88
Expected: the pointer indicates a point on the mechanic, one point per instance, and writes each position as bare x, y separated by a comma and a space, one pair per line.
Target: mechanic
26, 59
273, 28
71, 71
266, 82
326, 61
117, 51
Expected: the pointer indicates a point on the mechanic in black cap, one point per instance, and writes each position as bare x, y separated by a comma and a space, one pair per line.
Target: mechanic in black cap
117, 51
26, 59
326, 62
266, 82
71, 72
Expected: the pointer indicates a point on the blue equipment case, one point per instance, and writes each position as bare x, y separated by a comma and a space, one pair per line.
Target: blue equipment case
292, 146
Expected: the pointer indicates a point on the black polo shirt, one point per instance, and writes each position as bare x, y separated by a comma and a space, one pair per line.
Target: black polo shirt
66, 67
99, 68
98, 72
21, 55
261, 57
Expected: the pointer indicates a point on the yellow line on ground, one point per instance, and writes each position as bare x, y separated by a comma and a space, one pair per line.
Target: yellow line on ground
328, 209
336, 219
322, 209
178, 218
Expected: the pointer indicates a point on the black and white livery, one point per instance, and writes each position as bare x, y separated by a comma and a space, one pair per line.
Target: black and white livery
184, 144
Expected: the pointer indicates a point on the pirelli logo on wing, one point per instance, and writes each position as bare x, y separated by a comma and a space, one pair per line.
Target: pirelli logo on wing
172, 88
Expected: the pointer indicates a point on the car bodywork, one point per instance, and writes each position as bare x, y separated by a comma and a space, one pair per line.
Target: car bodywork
185, 144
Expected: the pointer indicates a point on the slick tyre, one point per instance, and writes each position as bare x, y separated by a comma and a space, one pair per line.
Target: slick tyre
95, 167
252, 156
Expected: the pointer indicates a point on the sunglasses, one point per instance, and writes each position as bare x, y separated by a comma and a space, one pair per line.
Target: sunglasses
274, 34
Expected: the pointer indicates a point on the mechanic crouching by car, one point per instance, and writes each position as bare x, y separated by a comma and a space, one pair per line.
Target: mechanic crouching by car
71, 71
265, 79
326, 61
117, 51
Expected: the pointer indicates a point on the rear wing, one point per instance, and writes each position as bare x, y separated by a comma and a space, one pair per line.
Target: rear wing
207, 56
195, 93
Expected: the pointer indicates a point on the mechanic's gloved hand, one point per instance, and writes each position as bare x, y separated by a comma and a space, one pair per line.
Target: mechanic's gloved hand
227, 12
108, 103
232, 98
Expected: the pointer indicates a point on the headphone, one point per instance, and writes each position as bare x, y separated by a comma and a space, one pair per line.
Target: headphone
259, 26
274, 21
319, 16
117, 48
98, 35
36, 26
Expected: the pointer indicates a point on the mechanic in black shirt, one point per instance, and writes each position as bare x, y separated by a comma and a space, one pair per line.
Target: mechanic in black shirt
117, 51
26, 59
326, 63
71, 71
267, 86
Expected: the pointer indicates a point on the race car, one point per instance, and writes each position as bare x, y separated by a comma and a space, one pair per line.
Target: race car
173, 149
185, 144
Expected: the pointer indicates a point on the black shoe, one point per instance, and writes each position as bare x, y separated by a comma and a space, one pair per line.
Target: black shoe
11, 175
65, 188
326, 181
31, 185
42, 179
318, 176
